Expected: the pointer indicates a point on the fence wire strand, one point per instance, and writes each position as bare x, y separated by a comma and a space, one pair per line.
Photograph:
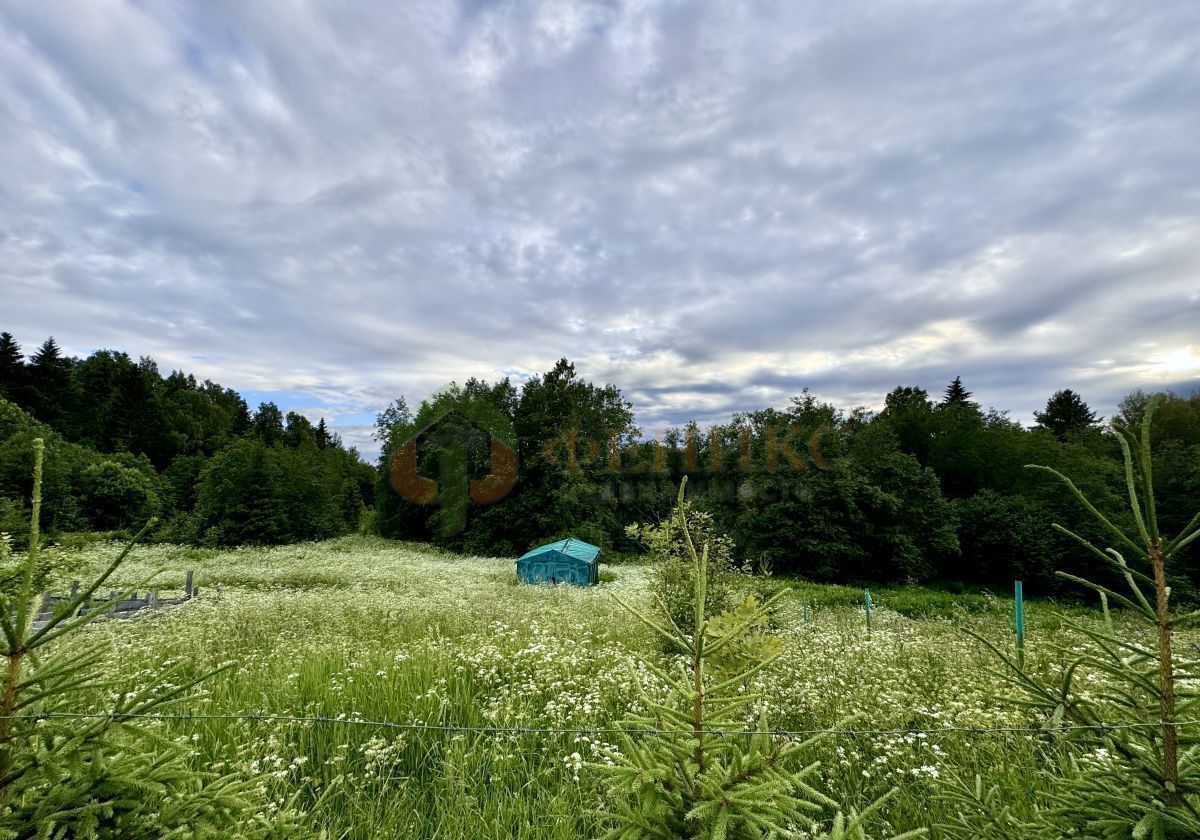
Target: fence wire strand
847, 732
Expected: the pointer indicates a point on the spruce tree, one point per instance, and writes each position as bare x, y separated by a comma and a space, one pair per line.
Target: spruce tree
12, 371
956, 394
50, 379
1140, 781
70, 769
696, 772
1065, 413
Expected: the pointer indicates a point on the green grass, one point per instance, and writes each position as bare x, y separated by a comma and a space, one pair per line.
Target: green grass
375, 630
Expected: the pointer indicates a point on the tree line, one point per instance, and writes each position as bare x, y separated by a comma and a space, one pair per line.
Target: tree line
932, 488
125, 443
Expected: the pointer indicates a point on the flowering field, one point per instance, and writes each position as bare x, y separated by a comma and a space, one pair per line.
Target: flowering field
367, 629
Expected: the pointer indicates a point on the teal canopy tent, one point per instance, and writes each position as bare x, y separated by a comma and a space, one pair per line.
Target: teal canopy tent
565, 561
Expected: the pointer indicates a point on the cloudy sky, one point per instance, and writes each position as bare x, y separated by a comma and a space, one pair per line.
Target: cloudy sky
711, 204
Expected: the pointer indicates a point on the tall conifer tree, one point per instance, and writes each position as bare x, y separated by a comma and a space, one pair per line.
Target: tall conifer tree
1066, 412
50, 375
956, 394
12, 371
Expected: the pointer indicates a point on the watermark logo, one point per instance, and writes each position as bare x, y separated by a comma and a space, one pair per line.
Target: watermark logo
474, 439
456, 439
789, 448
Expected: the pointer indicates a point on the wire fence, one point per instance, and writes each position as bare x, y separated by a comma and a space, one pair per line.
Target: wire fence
847, 732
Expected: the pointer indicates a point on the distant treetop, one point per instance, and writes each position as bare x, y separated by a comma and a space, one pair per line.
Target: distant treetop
956, 394
1066, 412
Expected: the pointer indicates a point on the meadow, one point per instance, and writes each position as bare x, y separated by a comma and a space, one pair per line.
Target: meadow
366, 629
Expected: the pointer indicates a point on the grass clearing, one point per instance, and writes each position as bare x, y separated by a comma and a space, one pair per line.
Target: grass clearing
369, 629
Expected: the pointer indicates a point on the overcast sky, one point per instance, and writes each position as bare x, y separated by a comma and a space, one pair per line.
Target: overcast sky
711, 205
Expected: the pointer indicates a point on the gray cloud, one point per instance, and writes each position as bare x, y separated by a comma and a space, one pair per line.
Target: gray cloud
710, 204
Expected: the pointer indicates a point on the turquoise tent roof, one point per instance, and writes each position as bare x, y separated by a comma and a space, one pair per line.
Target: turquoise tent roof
571, 547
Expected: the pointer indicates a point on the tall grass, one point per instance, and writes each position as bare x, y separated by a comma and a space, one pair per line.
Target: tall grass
373, 630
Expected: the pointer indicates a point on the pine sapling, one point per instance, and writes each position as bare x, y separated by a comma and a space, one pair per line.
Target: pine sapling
1141, 780
692, 768
69, 769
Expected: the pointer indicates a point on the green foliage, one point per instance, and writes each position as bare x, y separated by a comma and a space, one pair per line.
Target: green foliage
251, 493
62, 504
126, 443
54, 396
268, 423
956, 394
1141, 782
100, 776
851, 496
690, 779
1004, 538
14, 378
555, 492
908, 413
117, 496
673, 578
873, 512
1066, 414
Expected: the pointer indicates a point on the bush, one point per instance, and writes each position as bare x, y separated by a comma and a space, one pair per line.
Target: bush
673, 577
117, 496
1005, 538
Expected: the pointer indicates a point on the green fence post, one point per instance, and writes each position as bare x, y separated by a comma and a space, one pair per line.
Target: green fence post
867, 602
1019, 615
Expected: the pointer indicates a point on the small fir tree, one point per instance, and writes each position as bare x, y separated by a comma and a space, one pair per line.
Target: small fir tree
65, 775
1140, 781
685, 777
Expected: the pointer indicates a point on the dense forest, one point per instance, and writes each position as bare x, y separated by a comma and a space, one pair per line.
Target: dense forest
125, 443
932, 488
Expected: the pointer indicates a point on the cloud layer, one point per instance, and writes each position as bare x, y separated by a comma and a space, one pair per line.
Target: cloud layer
711, 204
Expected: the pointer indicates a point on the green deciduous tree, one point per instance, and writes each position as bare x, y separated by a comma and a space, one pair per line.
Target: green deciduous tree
298, 430
673, 573
268, 423
908, 412
1005, 538
117, 496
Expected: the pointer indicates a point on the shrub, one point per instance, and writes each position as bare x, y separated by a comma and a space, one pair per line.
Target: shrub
117, 496
673, 575
1004, 538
